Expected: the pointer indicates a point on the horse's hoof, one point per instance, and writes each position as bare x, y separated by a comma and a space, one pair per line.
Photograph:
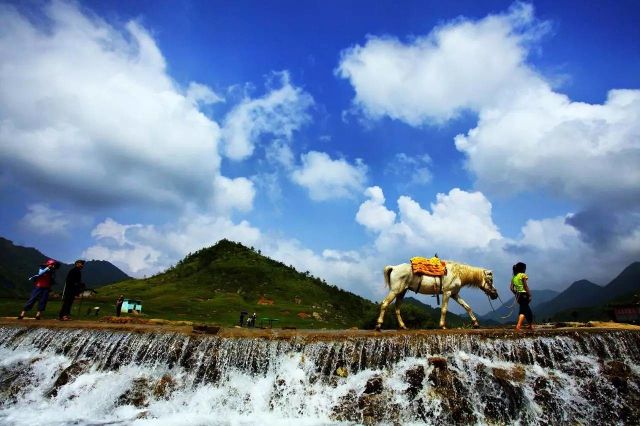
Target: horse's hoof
443, 327
378, 328
476, 325
402, 328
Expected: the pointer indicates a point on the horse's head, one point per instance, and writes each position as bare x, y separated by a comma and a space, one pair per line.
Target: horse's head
487, 285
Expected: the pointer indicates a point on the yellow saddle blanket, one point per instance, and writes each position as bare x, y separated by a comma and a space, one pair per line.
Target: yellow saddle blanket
433, 267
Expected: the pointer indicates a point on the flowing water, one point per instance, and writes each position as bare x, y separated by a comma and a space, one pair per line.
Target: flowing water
91, 377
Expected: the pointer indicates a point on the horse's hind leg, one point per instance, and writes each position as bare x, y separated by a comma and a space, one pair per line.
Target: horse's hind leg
467, 308
383, 307
399, 299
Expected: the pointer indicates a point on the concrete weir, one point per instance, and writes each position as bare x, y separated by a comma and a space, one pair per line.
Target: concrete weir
164, 373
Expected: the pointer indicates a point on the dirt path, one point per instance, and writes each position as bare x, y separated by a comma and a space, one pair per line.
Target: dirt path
163, 326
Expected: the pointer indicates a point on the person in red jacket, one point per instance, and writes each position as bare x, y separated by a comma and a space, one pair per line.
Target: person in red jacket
44, 279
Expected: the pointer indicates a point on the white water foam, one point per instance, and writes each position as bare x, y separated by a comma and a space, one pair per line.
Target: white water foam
293, 388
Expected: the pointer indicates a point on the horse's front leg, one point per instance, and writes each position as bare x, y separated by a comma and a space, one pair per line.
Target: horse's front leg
467, 308
399, 299
383, 307
443, 309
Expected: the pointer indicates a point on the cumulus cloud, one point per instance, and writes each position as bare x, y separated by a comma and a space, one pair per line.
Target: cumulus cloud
584, 152
460, 65
352, 270
528, 137
44, 220
88, 108
457, 220
231, 194
147, 249
326, 178
279, 113
372, 213
549, 234
200, 94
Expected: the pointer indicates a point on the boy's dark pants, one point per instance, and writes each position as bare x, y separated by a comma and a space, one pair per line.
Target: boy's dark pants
40, 294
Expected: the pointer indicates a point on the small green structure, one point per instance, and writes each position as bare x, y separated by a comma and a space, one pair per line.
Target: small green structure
130, 305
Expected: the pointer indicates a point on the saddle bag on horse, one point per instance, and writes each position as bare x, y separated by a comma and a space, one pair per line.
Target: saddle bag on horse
432, 267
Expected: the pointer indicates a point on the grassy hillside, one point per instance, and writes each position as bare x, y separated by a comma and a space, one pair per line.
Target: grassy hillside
216, 283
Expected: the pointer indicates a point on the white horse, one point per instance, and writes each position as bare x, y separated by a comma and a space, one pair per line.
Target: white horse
400, 278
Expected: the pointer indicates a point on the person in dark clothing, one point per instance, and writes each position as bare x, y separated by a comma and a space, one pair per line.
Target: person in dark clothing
44, 279
73, 286
119, 302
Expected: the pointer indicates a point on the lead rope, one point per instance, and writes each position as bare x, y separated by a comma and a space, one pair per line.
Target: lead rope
512, 307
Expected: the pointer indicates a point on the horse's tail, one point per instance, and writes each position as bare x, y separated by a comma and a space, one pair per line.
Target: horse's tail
387, 275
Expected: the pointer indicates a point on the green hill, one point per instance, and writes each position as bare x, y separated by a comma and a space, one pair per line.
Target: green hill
216, 283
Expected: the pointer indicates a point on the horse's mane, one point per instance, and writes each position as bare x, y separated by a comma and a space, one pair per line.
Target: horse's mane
469, 275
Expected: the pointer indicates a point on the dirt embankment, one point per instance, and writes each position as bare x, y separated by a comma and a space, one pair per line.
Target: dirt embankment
139, 325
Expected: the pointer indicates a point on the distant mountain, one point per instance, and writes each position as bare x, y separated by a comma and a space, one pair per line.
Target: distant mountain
18, 263
585, 294
627, 282
580, 294
625, 288
538, 297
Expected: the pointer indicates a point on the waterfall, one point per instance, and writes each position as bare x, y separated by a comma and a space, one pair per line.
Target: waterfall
90, 377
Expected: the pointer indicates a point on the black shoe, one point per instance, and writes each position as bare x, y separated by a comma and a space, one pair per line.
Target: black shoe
38, 318
20, 317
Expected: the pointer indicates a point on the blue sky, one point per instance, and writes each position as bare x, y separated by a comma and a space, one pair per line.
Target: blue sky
335, 136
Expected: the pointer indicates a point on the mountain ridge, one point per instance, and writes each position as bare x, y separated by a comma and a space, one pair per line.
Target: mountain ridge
18, 263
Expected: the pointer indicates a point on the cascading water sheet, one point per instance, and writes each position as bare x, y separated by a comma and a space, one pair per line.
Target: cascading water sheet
90, 377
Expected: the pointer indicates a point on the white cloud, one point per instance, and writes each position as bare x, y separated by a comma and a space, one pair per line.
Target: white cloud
528, 137
458, 220
95, 104
280, 153
110, 229
44, 220
461, 65
147, 249
279, 113
350, 270
585, 152
231, 194
372, 214
326, 178
135, 260
199, 93
548, 234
